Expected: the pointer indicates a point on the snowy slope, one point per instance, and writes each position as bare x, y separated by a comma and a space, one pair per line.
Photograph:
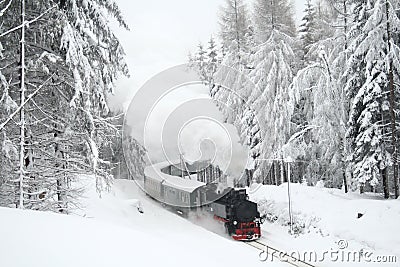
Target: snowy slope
114, 233
327, 216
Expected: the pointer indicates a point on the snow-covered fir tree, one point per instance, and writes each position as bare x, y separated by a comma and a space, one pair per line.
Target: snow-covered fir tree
322, 109
372, 116
234, 26
274, 102
273, 15
205, 60
308, 26
332, 105
72, 58
269, 65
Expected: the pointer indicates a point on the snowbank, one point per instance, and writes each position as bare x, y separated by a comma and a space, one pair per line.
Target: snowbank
331, 212
113, 233
45, 239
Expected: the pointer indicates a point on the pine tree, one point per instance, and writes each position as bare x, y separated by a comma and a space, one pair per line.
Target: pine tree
135, 157
318, 138
372, 107
270, 68
392, 46
205, 61
213, 59
272, 15
307, 28
234, 24
72, 59
273, 74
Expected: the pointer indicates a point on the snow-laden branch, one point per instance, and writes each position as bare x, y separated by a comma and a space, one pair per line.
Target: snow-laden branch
26, 22
5, 8
23, 104
302, 132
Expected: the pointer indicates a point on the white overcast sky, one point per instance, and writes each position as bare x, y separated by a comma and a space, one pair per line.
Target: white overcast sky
162, 34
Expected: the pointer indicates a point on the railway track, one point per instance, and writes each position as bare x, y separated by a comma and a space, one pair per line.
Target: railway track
276, 254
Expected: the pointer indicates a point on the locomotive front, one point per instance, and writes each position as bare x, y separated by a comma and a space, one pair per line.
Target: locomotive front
240, 216
246, 222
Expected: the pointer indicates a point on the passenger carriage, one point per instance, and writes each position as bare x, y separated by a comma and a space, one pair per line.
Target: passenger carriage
165, 183
171, 189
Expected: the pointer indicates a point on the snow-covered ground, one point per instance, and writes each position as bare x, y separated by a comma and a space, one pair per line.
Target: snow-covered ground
113, 233
110, 231
328, 222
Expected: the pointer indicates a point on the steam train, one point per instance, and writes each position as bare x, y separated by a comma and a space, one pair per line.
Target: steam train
185, 193
240, 216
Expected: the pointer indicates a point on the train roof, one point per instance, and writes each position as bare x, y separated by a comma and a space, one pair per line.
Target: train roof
187, 185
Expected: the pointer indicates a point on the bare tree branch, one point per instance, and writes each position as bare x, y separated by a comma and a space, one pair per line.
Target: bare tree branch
27, 22
23, 104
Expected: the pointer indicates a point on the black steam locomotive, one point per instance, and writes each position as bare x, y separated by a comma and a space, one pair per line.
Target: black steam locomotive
240, 216
231, 206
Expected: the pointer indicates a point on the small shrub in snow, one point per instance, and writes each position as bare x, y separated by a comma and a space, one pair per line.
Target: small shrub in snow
278, 213
320, 184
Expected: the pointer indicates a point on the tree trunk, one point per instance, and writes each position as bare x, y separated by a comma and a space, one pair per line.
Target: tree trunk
282, 169
345, 25
237, 30
394, 139
285, 176
61, 181
385, 183
22, 112
273, 174
269, 176
343, 144
343, 169
346, 187
61, 195
272, 15
392, 107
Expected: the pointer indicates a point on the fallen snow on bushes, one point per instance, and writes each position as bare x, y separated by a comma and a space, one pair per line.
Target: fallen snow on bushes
323, 217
